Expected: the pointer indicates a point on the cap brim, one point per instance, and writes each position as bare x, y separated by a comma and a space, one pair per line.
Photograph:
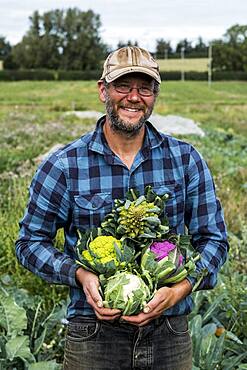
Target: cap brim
113, 75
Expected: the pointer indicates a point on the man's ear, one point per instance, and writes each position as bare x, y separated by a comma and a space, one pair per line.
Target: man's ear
102, 91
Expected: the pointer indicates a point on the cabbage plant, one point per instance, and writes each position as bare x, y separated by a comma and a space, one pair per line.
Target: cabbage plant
162, 263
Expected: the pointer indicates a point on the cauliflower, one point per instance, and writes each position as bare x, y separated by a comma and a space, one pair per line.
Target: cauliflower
104, 255
127, 292
102, 250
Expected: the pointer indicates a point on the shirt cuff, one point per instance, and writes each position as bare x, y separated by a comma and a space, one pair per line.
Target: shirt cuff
67, 273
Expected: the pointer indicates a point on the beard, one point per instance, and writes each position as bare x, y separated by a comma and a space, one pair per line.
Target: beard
123, 127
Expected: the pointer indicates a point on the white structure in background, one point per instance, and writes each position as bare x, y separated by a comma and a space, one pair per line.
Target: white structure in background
171, 125
176, 125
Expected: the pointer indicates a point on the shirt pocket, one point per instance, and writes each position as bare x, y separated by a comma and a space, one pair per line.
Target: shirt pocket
174, 206
90, 209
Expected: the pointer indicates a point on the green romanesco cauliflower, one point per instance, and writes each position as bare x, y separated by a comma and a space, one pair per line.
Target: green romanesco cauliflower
135, 217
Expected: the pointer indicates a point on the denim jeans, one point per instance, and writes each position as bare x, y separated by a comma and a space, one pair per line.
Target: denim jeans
163, 344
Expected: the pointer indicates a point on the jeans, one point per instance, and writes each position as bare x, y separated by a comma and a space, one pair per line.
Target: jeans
163, 344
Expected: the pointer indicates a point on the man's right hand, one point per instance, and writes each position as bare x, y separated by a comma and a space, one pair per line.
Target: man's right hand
90, 284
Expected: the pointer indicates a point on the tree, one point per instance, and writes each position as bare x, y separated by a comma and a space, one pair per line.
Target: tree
6, 54
62, 39
230, 54
82, 46
5, 48
122, 44
200, 49
163, 49
184, 45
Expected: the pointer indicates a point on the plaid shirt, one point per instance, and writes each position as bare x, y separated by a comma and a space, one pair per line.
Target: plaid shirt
75, 188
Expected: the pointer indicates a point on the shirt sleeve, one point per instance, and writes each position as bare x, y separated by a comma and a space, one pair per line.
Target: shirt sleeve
205, 221
47, 210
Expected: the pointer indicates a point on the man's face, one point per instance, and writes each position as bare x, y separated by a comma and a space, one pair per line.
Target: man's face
129, 102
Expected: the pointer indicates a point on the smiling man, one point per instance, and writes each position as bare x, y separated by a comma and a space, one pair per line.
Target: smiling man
75, 188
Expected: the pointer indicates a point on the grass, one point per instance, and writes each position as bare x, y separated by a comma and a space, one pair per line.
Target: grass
32, 120
186, 64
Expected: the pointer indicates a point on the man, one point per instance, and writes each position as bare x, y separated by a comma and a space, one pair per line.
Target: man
75, 188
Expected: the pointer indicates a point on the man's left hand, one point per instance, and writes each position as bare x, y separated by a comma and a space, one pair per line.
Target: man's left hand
163, 299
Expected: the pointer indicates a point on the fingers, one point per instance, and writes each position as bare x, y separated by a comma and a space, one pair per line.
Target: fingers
90, 284
153, 309
92, 293
141, 319
160, 301
107, 314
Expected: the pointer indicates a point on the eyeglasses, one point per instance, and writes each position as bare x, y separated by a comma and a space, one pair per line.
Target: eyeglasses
126, 89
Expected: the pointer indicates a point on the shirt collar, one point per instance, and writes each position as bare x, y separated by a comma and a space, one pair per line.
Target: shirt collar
98, 143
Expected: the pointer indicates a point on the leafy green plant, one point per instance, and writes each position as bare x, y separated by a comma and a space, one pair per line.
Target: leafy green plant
212, 352
218, 324
26, 332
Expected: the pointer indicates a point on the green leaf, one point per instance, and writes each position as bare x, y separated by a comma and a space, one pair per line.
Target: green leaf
150, 235
128, 253
121, 229
212, 308
233, 337
19, 347
208, 344
153, 210
39, 342
12, 317
119, 254
152, 220
215, 357
148, 262
150, 194
195, 328
140, 200
45, 365
230, 362
132, 194
127, 204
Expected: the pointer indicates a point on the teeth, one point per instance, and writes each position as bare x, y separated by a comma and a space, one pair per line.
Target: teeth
132, 109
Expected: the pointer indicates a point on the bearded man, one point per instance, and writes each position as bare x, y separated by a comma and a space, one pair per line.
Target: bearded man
75, 188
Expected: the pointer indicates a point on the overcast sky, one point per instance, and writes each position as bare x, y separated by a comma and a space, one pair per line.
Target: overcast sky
141, 20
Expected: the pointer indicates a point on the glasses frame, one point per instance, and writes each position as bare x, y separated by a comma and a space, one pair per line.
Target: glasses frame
129, 89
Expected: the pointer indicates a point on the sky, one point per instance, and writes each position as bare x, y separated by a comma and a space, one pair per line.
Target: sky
144, 21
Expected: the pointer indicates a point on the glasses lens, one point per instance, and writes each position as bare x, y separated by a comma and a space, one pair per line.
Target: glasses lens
145, 91
126, 89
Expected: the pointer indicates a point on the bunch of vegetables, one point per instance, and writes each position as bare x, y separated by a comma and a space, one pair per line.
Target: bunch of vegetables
134, 252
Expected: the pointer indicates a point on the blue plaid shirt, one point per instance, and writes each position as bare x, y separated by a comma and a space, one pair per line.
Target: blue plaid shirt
75, 188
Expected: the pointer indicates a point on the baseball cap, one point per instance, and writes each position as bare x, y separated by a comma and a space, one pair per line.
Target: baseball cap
130, 59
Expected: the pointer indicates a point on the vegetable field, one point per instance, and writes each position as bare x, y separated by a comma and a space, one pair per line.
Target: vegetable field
32, 120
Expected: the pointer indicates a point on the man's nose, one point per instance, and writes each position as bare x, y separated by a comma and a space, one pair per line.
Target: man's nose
134, 95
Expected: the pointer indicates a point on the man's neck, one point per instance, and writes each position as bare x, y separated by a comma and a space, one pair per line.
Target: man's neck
123, 146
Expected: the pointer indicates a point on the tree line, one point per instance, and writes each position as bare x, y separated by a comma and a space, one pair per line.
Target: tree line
70, 40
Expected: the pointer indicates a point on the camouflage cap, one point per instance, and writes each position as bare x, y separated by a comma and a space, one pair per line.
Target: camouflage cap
128, 60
